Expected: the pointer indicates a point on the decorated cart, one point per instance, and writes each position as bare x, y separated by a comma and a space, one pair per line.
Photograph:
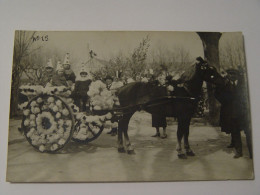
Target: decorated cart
51, 119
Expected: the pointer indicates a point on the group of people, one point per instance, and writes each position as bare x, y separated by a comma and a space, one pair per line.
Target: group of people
232, 112
63, 76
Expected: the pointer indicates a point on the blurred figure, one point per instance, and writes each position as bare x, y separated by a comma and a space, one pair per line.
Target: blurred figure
58, 79
47, 74
68, 73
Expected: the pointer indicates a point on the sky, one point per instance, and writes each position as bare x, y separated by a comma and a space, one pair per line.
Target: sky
108, 44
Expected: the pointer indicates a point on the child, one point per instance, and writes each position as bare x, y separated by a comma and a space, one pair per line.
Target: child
81, 88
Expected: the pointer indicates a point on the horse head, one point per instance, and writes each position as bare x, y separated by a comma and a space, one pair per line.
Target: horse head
208, 73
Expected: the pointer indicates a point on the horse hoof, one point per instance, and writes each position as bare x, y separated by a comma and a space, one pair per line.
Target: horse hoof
130, 152
121, 150
190, 153
182, 156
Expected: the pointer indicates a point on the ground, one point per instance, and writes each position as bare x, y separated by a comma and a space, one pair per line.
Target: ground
155, 159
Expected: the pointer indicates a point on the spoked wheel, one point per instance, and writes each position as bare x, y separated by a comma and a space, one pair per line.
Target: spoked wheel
48, 123
85, 133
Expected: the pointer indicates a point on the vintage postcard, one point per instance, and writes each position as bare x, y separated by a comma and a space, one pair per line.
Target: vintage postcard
126, 106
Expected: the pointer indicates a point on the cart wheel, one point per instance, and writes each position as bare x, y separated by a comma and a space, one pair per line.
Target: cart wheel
86, 133
48, 123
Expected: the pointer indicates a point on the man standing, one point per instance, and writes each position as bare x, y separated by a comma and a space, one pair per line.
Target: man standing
232, 114
68, 73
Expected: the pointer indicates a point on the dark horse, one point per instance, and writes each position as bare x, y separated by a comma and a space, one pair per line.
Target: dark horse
155, 99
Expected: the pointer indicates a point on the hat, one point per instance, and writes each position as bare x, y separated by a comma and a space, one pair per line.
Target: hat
49, 64
200, 59
108, 77
83, 69
66, 60
233, 71
59, 66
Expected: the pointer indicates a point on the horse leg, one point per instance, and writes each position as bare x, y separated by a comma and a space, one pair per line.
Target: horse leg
129, 147
121, 148
181, 154
122, 128
189, 152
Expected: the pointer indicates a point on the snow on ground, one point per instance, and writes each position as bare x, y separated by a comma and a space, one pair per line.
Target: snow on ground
155, 158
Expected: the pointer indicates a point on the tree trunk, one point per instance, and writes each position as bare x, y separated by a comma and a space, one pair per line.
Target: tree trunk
14, 95
210, 41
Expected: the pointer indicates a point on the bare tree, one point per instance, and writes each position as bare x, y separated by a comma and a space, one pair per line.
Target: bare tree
177, 59
21, 64
210, 41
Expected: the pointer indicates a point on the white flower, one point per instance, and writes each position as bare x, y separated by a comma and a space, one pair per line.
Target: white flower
32, 123
61, 141
108, 116
68, 123
170, 88
54, 147
33, 103
44, 107
59, 103
39, 100
29, 134
50, 100
26, 122
69, 100
32, 117
102, 118
58, 115
97, 108
60, 122
65, 112
51, 105
36, 110
42, 148
60, 131
55, 108
26, 112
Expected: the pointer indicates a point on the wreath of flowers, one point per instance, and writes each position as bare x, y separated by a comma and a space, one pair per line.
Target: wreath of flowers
47, 123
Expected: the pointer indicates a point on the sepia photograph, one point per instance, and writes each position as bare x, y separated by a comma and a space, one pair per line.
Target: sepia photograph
129, 106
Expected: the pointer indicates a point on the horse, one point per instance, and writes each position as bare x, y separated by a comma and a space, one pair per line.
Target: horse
155, 99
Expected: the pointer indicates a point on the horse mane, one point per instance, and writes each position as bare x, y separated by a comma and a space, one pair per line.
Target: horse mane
188, 74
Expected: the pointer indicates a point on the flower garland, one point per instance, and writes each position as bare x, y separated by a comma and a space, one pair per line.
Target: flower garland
47, 123
91, 124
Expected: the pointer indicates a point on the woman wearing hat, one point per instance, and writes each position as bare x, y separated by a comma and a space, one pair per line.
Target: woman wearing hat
80, 91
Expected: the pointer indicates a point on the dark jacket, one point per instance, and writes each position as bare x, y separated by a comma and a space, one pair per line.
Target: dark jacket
59, 80
70, 75
81, 89
232, 111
